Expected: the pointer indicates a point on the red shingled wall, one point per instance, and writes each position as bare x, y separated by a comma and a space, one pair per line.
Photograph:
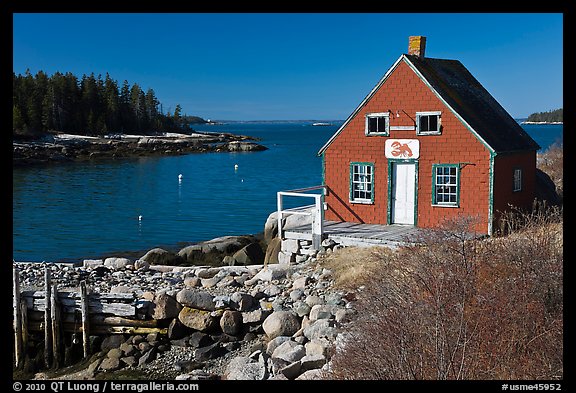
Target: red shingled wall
405, 91
504, 165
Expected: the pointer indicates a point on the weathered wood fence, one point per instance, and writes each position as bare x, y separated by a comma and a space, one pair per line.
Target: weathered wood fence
58, 312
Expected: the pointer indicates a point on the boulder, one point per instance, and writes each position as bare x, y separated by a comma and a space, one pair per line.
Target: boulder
271, 228
177, 330
92, 263
211, 351
199, 339
197, 319
281, 323
289, 351
117, 263
320, 328
165, 306
272, 251
272, 272
159, 256
241, 301
245, 368
231, 322
196, 299
251, 254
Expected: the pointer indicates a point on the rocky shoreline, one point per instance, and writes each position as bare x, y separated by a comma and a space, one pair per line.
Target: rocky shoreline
240, 322
61, 147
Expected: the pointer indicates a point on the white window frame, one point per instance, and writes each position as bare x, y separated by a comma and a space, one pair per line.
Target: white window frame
386, 131
365, 182
453, 181
429, 113
517, 180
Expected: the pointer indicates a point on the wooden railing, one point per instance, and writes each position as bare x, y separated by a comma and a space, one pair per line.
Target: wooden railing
316, 210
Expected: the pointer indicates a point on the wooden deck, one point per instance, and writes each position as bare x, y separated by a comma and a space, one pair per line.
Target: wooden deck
363, 235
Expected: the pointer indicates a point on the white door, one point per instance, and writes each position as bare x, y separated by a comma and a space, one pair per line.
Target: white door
403, 193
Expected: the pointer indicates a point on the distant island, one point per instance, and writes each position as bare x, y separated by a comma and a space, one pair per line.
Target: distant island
551, 117
90, 106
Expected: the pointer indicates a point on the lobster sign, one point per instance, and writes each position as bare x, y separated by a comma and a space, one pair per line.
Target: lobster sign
402, 148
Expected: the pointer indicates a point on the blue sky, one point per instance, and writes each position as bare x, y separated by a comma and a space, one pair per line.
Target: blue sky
259, 66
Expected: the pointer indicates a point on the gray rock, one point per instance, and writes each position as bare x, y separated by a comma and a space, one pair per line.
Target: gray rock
255, 316
117, 263
313, 300
110, 364
286, 258
300, 283
199, 339
275, 342
120, 289
129, 361
310, 362
281, 323
127, 349
231, 322
92, 263
290, 246
292, 370
320, 328
241, 301
317, 347
141, 265
289, 351
271, 228
207, 272
192, 282
114, 353
272, 272
221, 301
165, 306
112, 341
296, 294
177, 330
148, 356
272, 250
209, 282
311, 375
300, 308
196, 299
211, 351
323, 311
245, 368
251, 254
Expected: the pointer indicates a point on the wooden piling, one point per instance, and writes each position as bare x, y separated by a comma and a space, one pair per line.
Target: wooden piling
55, 321
17, 323
85, 319
24, 313
47, 319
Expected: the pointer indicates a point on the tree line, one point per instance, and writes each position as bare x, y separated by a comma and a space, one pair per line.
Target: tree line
88, 105
550, 116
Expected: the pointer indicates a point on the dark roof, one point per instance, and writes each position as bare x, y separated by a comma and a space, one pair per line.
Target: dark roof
467, 97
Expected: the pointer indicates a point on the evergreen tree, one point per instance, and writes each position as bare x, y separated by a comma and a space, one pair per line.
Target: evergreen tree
91, 105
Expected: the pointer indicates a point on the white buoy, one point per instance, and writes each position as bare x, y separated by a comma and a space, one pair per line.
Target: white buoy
140, 217
236, 167
180, 178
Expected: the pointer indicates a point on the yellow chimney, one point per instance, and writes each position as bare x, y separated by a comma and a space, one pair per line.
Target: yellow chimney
417, 45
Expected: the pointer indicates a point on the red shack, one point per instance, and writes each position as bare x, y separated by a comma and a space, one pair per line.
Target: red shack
426, 144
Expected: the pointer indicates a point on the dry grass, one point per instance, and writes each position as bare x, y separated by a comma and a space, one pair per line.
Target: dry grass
355, 266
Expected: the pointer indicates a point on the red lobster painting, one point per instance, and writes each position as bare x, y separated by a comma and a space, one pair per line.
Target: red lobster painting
400, 149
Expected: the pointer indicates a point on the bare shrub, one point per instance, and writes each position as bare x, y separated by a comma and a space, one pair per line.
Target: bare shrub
455, 307
551, 162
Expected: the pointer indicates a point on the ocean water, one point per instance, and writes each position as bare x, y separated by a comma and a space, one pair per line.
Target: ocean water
76, 211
